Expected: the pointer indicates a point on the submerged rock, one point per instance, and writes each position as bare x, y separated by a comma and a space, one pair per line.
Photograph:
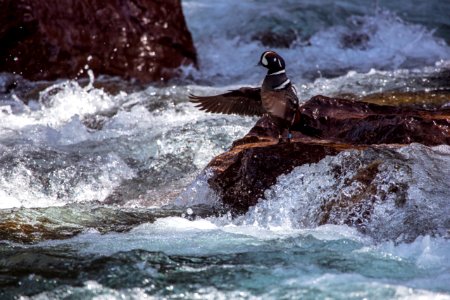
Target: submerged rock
387, 193
32, 225
141, 39
327, 126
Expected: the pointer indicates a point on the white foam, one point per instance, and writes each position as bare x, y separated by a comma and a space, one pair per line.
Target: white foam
57, 119
296, 200
426, 252
198, 192
176, 224
21, 187
229, 54
367, 288
151, 128
95, 291
417, 269
392, 44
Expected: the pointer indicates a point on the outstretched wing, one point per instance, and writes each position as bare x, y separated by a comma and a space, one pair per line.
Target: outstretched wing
244, 101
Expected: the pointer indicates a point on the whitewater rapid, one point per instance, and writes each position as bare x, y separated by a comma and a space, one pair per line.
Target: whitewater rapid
328, 39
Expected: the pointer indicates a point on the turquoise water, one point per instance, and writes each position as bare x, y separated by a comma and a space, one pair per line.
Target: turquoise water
177, 258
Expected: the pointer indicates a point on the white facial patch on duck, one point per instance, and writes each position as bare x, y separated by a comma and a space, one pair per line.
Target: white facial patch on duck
283, 85
264, 60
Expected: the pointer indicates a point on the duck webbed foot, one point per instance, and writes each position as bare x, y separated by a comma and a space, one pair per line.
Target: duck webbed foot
282, 140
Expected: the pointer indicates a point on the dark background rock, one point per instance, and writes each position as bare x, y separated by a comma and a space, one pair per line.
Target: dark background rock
277, 39
141, 39
327, 126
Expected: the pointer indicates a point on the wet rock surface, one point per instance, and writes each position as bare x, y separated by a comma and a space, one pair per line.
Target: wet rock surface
327, 126
30, 226
368, 123
141, 39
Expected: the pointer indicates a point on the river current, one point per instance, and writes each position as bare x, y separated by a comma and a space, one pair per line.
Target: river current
103, 192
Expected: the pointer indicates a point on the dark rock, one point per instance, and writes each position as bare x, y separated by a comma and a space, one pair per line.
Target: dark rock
430, 99
32, 225
242, 174
355, 208
367, 123
142, 39
327, 126
355, 40
274, 39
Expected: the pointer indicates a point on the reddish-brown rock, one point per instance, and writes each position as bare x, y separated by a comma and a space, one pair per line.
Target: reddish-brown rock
358, 122
142, 39
327, 126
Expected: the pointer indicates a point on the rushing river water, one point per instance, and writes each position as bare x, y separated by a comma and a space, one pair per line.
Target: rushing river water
103, 194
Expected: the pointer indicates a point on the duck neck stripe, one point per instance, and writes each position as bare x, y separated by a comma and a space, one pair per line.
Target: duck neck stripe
277, 73
283, 85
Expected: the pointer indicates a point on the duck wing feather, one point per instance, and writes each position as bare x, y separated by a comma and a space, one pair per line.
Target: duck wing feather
244, 101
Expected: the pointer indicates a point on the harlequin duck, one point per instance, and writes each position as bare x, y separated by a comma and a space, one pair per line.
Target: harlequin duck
277, 97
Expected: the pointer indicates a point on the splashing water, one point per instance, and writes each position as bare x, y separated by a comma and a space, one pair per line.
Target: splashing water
408, 197
322, 42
